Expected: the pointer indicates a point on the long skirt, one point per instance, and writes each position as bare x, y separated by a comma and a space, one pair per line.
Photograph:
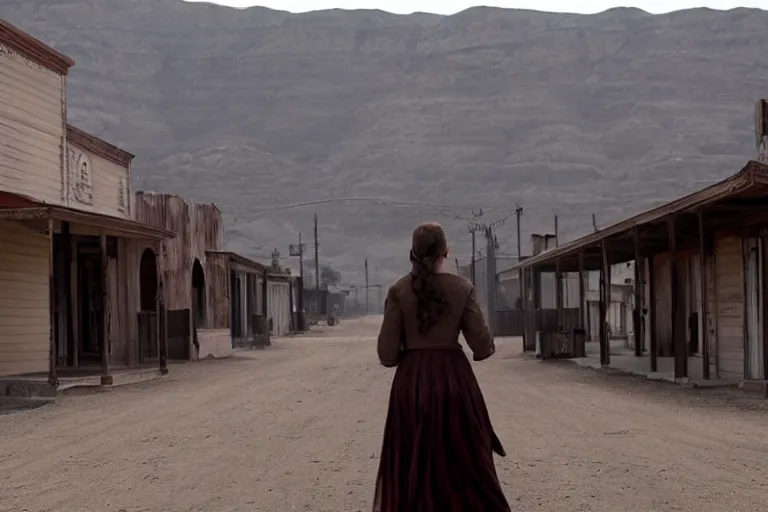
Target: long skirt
437, 454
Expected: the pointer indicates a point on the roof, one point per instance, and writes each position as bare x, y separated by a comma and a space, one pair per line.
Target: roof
98, 146
17, 207
33, 49
236, 258
751, 183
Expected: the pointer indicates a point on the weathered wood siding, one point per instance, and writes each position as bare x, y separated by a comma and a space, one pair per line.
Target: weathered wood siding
279, 306
199, 228
218, 281
24, 313
32, 128
729, 277
110, 193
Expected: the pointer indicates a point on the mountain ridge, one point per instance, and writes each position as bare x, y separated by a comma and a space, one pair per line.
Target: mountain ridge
563, 113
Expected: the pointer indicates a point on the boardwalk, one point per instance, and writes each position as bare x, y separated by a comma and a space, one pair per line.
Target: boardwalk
297, 427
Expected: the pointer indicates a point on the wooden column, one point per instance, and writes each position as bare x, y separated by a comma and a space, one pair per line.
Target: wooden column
582, 291
106, 378
637, 311
654, 348
53, 379
703, 293
605, 296
162, 309
559, 294
523, 274
678, 338
66, 245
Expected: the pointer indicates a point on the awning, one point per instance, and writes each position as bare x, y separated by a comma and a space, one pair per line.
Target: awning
750, 185
113, 226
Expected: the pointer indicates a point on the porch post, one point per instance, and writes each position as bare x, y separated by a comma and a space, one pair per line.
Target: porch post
637, 312
105, 378
53, 379
605, 295
559, 294
523, 274
703, 293
66, 242
678, 340
162, 313
582, 291
653, 349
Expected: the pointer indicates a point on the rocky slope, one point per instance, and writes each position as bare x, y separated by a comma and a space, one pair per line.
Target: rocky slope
256, 109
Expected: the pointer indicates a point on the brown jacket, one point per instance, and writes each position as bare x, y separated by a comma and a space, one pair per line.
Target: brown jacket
399, 330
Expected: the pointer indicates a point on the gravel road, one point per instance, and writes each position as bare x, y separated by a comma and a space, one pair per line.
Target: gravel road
297, 427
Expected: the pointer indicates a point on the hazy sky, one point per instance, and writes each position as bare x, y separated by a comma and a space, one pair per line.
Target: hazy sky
453, 6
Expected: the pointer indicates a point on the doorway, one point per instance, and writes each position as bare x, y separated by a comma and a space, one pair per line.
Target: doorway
90, 301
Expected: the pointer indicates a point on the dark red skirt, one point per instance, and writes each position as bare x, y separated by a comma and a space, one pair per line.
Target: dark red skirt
437, 454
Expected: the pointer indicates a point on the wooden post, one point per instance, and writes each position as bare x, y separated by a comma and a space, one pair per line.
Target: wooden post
53, 379
703, 293
106, 378
162, 312
559, 294
582, 291
636, 313
678, 339
654, 348
605, 295
522, 273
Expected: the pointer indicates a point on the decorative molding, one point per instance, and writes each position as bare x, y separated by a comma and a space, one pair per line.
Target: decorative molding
98, 147
22, 47
81, 176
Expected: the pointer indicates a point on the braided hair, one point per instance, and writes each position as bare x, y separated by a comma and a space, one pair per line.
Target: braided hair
429, 245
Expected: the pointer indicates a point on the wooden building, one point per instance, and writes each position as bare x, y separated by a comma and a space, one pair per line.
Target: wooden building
198, 324
243, 302
702, 273
69, 247
280, 302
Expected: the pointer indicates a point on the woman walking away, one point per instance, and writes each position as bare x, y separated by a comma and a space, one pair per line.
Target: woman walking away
437, 454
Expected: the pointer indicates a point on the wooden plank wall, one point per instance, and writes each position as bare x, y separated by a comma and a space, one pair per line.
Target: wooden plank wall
729, 275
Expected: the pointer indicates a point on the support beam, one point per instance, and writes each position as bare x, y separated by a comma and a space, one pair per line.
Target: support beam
162, 312
703, 293
654, 348
637, 310
106, 379
678, 337
66, 247
53, 379
582, 291
559, 294
605, 294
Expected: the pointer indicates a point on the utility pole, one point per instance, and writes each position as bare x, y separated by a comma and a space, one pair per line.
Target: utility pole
301, 262
367, 301
317, 263
474, 250
301, 280
490, 276
474, 227
518, 213
594, 222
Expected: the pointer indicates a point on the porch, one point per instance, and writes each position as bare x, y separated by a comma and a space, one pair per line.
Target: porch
623, 359
78, 290
699, 286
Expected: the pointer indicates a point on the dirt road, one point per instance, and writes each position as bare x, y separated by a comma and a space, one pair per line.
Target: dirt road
298, 426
